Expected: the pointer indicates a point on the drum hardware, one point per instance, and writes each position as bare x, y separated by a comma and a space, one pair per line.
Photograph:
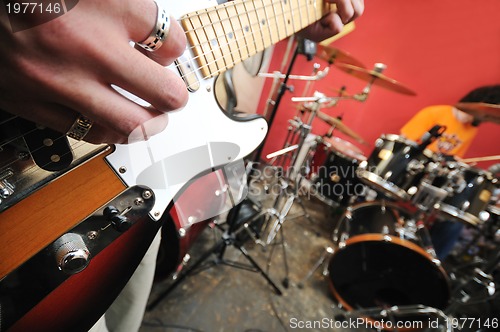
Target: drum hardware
278, 75
229, 237
467, 288
321, 262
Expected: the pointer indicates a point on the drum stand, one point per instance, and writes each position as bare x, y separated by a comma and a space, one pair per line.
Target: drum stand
228, 238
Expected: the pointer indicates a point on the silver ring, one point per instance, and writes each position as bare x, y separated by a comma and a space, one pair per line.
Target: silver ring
80, 128
160, 31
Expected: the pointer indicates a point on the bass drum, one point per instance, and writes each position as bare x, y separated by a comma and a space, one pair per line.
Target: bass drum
375, 266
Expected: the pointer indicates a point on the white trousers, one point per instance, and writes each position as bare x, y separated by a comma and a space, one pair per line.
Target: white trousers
127, 311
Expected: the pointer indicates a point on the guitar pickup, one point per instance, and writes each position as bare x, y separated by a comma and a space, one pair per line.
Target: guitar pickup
188, 74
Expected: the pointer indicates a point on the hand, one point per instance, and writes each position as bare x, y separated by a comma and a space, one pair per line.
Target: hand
332, 23
55, 71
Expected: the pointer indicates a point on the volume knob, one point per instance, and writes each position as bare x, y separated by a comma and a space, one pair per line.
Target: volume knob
72, 255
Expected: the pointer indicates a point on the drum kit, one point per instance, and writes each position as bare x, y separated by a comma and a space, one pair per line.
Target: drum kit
382, 256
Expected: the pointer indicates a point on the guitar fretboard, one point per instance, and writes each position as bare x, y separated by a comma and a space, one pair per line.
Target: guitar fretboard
225, 35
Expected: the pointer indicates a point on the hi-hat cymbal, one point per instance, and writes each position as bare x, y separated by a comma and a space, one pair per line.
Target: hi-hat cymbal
340, 126
482, 111
376, 78
334, 55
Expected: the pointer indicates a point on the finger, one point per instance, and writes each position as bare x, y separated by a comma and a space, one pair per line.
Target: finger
157, 85
114, 111
143, 23
332, 24
348, 10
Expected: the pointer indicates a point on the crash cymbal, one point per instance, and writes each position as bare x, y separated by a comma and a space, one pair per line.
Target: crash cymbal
340, 126
376, 78
334, 55
482, 111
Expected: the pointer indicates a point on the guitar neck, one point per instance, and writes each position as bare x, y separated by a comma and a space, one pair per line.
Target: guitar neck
225, 35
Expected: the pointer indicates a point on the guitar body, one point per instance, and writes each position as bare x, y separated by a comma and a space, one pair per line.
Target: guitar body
76, 219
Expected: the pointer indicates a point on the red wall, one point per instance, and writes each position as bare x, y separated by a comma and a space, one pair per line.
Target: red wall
441, 49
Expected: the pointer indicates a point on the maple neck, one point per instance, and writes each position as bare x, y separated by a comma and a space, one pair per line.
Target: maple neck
224, 35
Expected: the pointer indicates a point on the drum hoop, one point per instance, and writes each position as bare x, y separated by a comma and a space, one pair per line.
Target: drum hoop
390, 187
388, 238
454, 212
398, 138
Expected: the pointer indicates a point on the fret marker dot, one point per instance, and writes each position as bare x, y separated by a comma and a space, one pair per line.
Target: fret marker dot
214, 42
230, 35
247, 28
263, 22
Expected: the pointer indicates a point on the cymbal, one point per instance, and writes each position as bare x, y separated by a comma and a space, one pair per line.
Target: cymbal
340, 126
334, 55
482, 111
376, 78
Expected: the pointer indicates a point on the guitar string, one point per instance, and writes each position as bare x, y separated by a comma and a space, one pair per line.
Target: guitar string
237, 40
216, 9
233, 40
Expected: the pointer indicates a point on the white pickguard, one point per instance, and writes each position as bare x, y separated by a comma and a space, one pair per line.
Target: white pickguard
197, 139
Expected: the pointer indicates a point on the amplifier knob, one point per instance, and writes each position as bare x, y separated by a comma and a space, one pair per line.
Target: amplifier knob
72, 255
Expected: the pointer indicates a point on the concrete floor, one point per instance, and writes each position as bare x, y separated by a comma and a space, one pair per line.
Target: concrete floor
224, 298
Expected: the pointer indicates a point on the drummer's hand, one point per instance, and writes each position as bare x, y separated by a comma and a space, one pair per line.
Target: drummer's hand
55, 71
332, 23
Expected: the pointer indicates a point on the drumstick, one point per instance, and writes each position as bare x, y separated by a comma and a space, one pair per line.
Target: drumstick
477, 159
282, 151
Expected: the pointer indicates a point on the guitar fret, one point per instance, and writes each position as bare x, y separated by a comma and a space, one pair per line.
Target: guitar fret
239, 36
276, 21
219, 18
231, 36
254, 22
193, 37
300, 12
214, 57
245, 29
291, 13
268, 23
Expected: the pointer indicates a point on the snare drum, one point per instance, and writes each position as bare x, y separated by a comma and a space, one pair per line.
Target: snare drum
395, 167
334, 171
472, 192
374, 266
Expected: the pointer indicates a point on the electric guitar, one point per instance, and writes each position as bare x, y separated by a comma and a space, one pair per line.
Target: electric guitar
76, 219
